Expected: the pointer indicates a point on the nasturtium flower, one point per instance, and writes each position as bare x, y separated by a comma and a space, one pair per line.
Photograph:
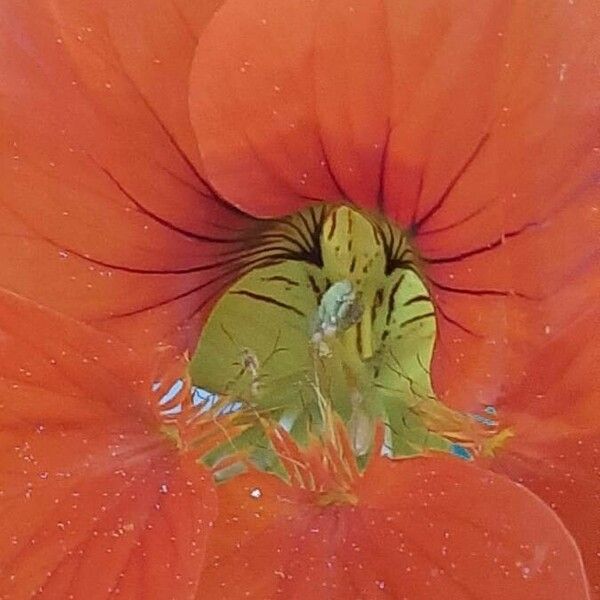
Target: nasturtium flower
384, 210
96, 499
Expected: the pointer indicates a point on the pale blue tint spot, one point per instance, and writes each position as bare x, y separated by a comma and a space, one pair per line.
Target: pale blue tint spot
490, 410
156, 386
230, 408
461, 452
207, 400
387, 450
172, 392
203, 399
483, 420
287, 421
200, 396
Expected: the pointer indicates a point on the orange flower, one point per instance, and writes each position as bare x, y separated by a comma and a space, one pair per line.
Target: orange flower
472, 128
412, 528
93, 498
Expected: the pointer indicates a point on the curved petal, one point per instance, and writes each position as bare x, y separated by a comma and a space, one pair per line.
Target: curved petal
297, 107
473, 128
94, 501
555, 418
565, 473
418, 527
105, 214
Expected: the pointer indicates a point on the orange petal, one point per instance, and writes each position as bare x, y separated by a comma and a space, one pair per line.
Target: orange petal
558, 387
253, 109
555, 451
93, 499
105, 214
564, 473
507, 215
420, 526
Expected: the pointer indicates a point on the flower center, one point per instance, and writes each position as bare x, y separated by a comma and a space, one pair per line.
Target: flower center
340, 321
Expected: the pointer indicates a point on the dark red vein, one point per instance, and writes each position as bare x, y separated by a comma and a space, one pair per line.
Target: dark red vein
416, 225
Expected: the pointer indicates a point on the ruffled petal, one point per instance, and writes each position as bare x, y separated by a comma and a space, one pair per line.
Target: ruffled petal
105, 214
94, 501
417, 527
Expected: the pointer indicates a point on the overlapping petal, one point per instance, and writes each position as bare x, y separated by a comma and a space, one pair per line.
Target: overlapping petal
94, 501
555, 450
105, 215
418, 528
474, 128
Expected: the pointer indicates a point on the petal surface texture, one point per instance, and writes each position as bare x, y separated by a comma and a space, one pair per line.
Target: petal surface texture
95, 503
555, 450
419, 528
104, 213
